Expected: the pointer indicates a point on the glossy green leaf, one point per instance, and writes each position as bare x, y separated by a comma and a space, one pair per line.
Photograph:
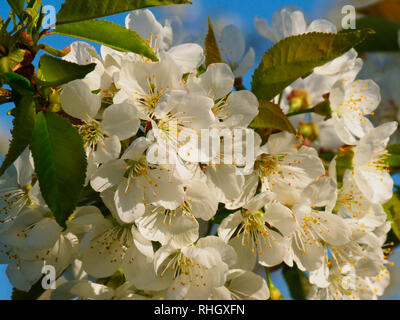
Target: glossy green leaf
109, 34
78, 10
211, 46
271, 116
297, 56
53, 72
297, 282
24, 124
60, 163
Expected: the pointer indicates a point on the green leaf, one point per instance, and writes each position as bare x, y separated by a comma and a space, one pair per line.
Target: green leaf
385, 38
60, 163
271, 116
54, 72
78, 10
297, 282
221, 214
297, 56
18, 83
109, 34
392, 209
394, 148
17, 6
24, 124
211, 46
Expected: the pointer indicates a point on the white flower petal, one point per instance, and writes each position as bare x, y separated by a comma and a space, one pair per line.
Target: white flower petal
281, 217
92, 291
232, 43
247, 285
129, 202
188, 56
246, 63
121, 120
108, 175
78, 101
36, 238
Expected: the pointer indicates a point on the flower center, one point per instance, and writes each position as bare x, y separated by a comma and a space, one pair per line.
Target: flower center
220, 109
150, 99
114, 241
187, 270
12, 200
379, 160
168, 215
91, 133
136, 168
268, 164
254, 232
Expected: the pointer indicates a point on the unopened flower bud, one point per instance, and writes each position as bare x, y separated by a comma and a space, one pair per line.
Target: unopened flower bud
275, 294
5, 65
298, 100
309, 130
54, 102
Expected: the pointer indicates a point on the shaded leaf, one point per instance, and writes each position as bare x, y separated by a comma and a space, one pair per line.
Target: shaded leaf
33, 294
109, 34
392, 209
394, 148
221, 214
60, 163
211, 46
393, 159
387, 9
78, 10
24, 124
297, 56
323, 109
16, 57
297, 282
385, 38
17, 6
54, 72
271, 116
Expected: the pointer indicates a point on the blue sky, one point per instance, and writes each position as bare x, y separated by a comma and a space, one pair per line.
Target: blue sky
194, 18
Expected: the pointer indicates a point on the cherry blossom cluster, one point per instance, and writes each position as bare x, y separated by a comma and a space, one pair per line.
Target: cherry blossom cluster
154, 234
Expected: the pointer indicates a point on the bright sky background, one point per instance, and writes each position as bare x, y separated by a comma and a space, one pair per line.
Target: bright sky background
194, 18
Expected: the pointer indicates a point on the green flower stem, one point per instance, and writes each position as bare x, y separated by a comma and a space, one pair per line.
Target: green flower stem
290, 114
275, 294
